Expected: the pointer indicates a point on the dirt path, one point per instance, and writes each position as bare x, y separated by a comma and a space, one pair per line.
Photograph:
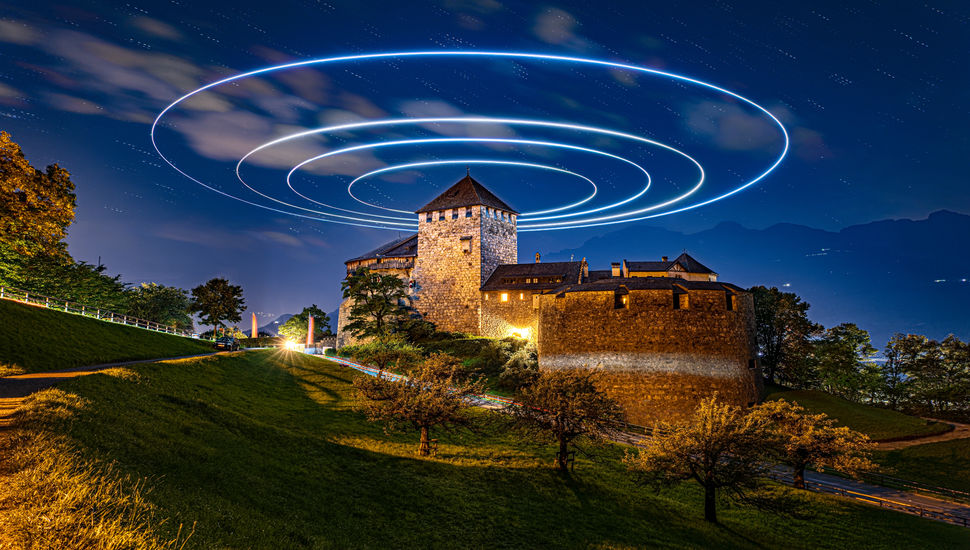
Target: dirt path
14, 389
960, 431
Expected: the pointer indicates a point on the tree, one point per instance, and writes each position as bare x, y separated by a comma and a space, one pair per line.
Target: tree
166, 305
566, 404
378, 303
721, 447
36, 207
385, 353
802, 440
784, 334
432, 396
217, 301
842, 357
902, 353
295, 328
940, 375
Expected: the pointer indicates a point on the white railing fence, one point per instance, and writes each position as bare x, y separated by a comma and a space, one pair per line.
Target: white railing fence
31, 298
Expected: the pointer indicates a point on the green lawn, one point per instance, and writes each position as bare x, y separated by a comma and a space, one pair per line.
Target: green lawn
944, 464
263, 450
877, 423
34, 339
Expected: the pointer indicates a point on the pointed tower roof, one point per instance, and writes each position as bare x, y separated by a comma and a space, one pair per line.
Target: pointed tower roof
467, 192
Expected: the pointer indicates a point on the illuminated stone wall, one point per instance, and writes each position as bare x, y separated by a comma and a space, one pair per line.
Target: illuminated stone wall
658, 361
501, 319
455, 255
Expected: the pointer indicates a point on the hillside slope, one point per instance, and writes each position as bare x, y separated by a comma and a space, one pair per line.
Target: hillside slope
878, 423
264, 450
34, 339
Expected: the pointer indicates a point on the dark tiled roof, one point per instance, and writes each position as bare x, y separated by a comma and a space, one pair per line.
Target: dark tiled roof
646, 283
649, 266
467, 192
600, 274
401, 248
685, 260
570, 272
692, 265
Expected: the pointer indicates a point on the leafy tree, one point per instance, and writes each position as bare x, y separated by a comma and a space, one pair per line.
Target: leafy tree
521, 368
903, 353
802, 440
940, 376
433, 396
217, 301
566, 404
386, 353
842, 357
721, 447
378, 308
166, 305
295, 328
36, 207
784, 333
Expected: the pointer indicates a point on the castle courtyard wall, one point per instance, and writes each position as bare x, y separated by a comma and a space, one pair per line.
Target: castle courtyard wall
518, 316
657, 361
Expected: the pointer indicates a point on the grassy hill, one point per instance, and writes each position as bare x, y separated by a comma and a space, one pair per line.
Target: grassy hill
263, 450
34, 339
878, 423
944, 464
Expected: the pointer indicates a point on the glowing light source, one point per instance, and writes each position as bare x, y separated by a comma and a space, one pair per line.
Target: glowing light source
524, 332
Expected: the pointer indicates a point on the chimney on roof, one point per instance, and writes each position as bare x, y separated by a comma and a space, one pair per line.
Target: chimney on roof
615, 269
663, 258
537, 257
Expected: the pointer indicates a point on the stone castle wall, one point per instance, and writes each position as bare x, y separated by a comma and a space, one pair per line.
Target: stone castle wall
455, 253
501, 319
658, 361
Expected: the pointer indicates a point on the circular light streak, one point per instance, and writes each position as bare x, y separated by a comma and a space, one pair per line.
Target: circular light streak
633, 215
554, 144
471, 120
398, 167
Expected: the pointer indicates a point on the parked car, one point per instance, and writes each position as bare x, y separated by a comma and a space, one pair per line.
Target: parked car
227, 343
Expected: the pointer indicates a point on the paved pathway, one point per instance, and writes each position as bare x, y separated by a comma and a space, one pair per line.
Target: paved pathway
14, 389
960, 431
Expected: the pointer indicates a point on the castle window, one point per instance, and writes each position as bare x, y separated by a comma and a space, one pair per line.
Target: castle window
468, 212
454, 214
621, 301
504, 297
486, 295
681, 301
441, 216
428, 218
466, 245
522, 295
730, 301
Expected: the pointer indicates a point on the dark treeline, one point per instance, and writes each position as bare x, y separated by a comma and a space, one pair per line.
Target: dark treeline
916, 374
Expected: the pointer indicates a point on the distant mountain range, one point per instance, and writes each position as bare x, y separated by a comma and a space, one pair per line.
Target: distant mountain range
886, 276
272, 327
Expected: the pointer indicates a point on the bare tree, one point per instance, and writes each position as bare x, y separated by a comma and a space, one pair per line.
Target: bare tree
432, 396
802, 439
720, 447
567, 405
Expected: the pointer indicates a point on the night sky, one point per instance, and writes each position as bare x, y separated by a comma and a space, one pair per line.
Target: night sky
873, 96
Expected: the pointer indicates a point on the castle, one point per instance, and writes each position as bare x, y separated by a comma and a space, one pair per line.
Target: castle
666, 333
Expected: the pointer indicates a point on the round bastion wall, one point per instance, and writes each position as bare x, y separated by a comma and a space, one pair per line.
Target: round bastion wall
658, 359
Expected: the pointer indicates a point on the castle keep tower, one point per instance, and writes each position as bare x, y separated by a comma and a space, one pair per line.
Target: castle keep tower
463, 235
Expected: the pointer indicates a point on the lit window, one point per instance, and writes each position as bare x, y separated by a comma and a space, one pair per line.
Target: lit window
621, 301
504, 297
522, 295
